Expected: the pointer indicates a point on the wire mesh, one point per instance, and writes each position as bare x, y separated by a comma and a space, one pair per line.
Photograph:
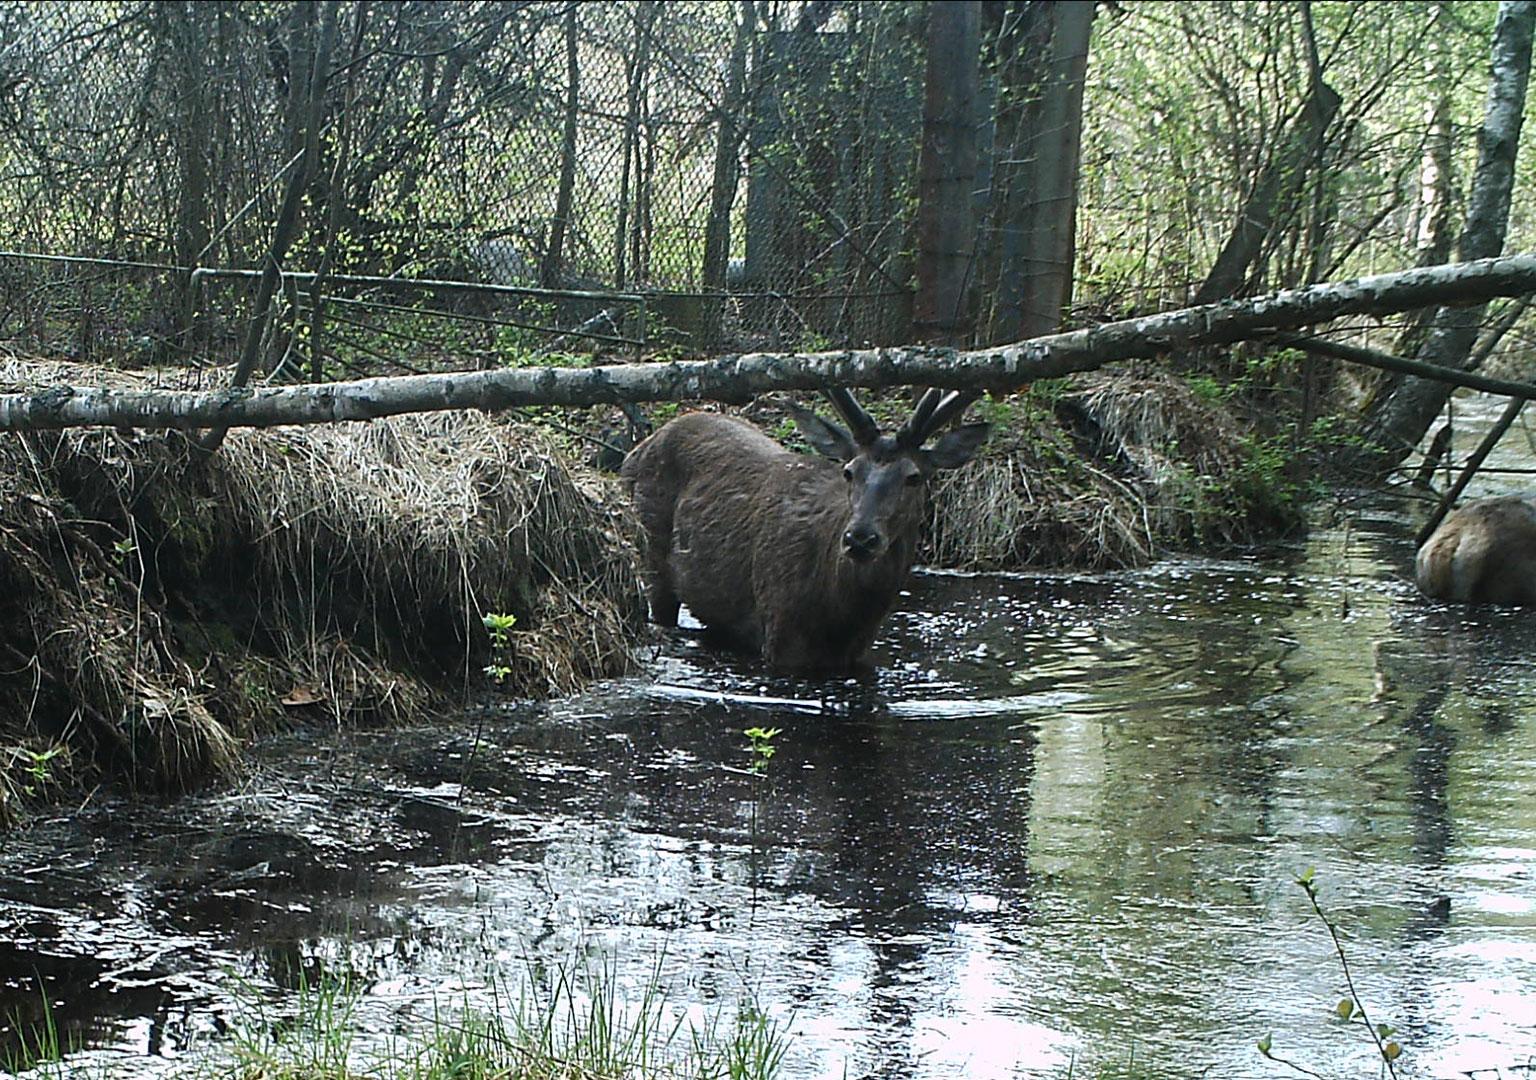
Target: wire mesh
701, 174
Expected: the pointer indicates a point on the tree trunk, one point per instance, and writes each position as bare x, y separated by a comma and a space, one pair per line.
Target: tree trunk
551, 269
1278, 186
731, 127
947, 173
186, 27
1037, 199
1395, 428
645, 190
629, 176
334, 200
306, 103
1432, 234
1432, 213
736, 378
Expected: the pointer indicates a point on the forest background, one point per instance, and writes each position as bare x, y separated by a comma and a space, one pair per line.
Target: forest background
774, 175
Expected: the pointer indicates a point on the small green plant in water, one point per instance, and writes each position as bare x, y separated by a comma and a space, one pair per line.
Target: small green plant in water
314, 1035
499, 626
38, 766
760, 751
565, 1021
1348, 1009
35, 1042
760, 747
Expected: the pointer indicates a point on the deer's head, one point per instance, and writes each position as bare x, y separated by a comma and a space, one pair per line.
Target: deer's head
887, 474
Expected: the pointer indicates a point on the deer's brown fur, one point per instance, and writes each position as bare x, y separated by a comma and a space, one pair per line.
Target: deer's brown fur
1482, 553
795, 557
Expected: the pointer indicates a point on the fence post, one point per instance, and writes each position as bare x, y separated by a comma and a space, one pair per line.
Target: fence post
947, 173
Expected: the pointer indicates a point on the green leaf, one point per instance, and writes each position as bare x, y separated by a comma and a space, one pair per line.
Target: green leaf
1265, 1043
1345, 1008
1391, 1051
497, 622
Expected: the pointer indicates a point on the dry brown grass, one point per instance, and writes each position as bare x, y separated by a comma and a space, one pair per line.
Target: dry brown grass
1120, 467
160, 606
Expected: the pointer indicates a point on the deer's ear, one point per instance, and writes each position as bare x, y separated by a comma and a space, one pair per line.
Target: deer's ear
826, 437
957, 447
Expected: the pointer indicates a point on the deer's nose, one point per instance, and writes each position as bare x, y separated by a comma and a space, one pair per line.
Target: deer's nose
860, 542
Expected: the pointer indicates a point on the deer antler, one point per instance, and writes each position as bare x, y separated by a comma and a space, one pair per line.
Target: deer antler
955, 402
934, 411
860, 424
915, 430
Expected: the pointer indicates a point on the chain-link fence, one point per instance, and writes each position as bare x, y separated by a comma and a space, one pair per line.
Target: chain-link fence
587, 159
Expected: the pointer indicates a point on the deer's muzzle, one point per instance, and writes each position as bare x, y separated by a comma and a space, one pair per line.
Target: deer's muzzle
861, 543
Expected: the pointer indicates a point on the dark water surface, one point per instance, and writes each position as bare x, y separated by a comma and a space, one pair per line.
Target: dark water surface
1058, 827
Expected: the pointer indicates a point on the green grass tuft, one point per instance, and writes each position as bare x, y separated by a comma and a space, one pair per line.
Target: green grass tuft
571, 1022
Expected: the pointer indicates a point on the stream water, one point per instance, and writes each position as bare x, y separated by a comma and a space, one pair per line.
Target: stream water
1057, 829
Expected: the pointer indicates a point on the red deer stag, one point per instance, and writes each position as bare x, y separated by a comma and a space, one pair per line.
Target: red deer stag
1482, 553
795, 557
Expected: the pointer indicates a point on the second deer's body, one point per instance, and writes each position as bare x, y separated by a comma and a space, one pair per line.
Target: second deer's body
1482, 553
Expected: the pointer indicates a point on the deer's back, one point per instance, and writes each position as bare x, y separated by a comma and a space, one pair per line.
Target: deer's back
701, 456
695, 442
729, 511
1485, 552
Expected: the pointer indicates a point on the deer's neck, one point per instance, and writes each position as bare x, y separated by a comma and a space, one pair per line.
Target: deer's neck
872, 584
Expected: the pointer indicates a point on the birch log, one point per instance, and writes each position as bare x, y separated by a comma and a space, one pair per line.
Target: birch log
737, 378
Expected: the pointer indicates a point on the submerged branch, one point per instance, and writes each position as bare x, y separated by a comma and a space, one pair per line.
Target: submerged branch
736, 378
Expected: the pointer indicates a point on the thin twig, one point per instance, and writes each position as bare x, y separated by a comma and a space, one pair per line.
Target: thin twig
1338, 947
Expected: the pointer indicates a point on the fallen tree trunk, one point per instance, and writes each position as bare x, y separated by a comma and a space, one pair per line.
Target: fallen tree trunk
736, 378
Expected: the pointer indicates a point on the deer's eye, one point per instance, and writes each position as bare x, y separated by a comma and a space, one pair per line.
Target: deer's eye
848, 472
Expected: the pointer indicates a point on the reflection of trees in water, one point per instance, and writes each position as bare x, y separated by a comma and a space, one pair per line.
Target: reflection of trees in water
892, 828
1429, 778
1183, 720
916, 821
1445, 675
1443, 681
906, 815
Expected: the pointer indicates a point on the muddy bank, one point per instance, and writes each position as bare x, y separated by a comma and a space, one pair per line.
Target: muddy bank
159, 607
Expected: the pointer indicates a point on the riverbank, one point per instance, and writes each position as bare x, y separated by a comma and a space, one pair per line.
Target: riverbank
162, 607
1113, 469
159, 607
